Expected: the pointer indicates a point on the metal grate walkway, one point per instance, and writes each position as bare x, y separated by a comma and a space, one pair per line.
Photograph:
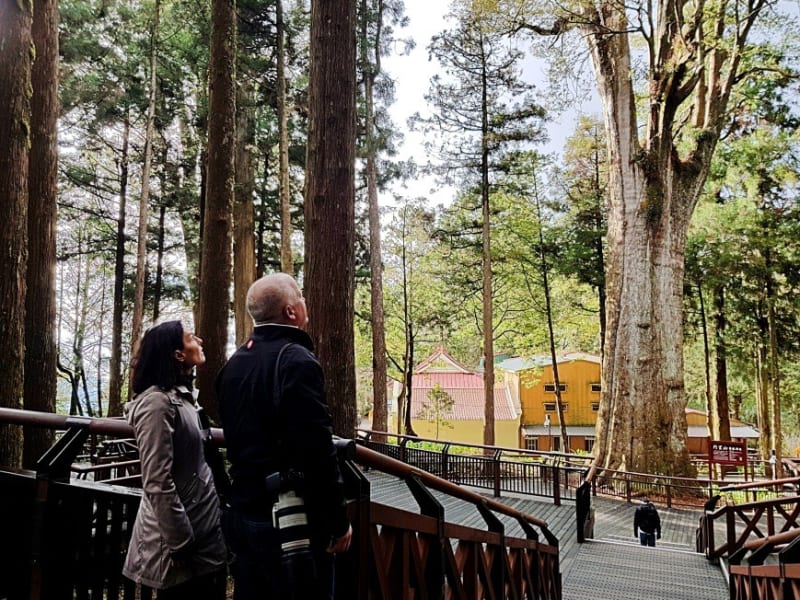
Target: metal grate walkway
612, 571
613, 566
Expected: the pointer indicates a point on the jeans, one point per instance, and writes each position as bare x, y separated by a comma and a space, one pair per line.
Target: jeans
260, 571
647, 539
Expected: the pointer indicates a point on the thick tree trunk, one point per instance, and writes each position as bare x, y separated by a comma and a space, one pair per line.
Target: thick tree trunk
40, 309
330, 204
642, 421
244, 247
215, 263
16, 50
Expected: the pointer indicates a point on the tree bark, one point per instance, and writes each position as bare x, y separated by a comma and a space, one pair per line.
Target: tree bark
40, 308
370, 70
330, 204
144, 199
215, 263
15, 132
486, 274
284, 192
115, 363
244, 247
721, 366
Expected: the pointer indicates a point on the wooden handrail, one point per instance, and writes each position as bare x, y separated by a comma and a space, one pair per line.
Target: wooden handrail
759, 484
119, 427
525, 451
774, 539
398, 468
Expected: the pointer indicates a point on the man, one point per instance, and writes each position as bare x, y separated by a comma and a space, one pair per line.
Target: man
647, 523
276, 421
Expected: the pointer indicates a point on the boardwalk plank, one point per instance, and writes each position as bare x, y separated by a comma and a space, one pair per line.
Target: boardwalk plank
613, 566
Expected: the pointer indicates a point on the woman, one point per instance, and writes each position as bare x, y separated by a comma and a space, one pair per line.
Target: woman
176, 545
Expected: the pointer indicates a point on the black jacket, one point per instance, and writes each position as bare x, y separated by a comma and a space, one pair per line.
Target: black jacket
264, 437
646, 518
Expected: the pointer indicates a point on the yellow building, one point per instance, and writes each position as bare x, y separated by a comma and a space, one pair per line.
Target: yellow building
532, 385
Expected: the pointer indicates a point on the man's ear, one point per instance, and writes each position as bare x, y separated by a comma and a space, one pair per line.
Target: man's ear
179, 356
289, 312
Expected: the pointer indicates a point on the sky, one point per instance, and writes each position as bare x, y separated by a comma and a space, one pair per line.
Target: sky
412, 73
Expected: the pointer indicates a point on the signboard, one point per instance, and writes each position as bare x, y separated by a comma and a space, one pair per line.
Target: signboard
727, 453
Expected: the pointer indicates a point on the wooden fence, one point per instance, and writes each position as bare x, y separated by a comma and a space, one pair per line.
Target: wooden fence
72, 533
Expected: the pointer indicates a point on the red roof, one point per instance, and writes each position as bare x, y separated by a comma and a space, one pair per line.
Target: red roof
465, 387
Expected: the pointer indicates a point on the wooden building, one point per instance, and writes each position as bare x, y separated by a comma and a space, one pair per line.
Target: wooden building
532, 384
447, 403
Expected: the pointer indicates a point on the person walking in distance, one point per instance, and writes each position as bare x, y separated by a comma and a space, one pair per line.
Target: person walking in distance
647, 523
278, 432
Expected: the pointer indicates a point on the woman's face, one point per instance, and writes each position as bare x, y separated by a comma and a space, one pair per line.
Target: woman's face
192, 353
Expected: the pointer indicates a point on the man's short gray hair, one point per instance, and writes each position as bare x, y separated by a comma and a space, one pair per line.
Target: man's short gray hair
268, 296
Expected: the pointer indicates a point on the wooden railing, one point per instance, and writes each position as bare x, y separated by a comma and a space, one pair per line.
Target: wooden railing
778, 580
546, 474
74, 533
725, 530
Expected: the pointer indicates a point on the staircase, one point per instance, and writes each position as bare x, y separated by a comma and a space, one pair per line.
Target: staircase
611, 569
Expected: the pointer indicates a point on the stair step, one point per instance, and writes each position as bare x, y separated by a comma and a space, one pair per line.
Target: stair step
614, 570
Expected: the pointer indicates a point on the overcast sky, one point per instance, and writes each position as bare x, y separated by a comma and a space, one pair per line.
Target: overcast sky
412, 73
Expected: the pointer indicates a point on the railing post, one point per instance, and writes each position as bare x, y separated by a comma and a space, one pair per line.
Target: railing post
402, 445
352, 569
446, 461
669, 493
556, 485
496, 463
583, 509
628, 487
54, 465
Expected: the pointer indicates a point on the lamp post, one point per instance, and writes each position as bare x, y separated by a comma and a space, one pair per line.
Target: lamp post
549, 439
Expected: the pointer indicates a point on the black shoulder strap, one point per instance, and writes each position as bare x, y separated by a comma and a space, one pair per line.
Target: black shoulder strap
276, 387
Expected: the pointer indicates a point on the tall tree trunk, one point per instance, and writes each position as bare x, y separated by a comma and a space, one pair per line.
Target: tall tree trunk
712, 417
486, 232
16, 50
215, 263
775, 376
370, 70
641, 424
261, 226
330, 204
189, 177
721, 366
287, 264
144, 199
404, 409
40, 305
158, 281
244, 251
550, 332
762, 397
115, 363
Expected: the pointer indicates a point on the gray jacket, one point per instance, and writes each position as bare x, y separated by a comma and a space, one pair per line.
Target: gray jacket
179, 511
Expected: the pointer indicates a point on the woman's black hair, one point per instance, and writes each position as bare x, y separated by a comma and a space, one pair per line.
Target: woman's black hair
155, 363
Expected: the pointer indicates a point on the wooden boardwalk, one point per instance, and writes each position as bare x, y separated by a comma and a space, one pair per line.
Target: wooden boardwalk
613, 565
